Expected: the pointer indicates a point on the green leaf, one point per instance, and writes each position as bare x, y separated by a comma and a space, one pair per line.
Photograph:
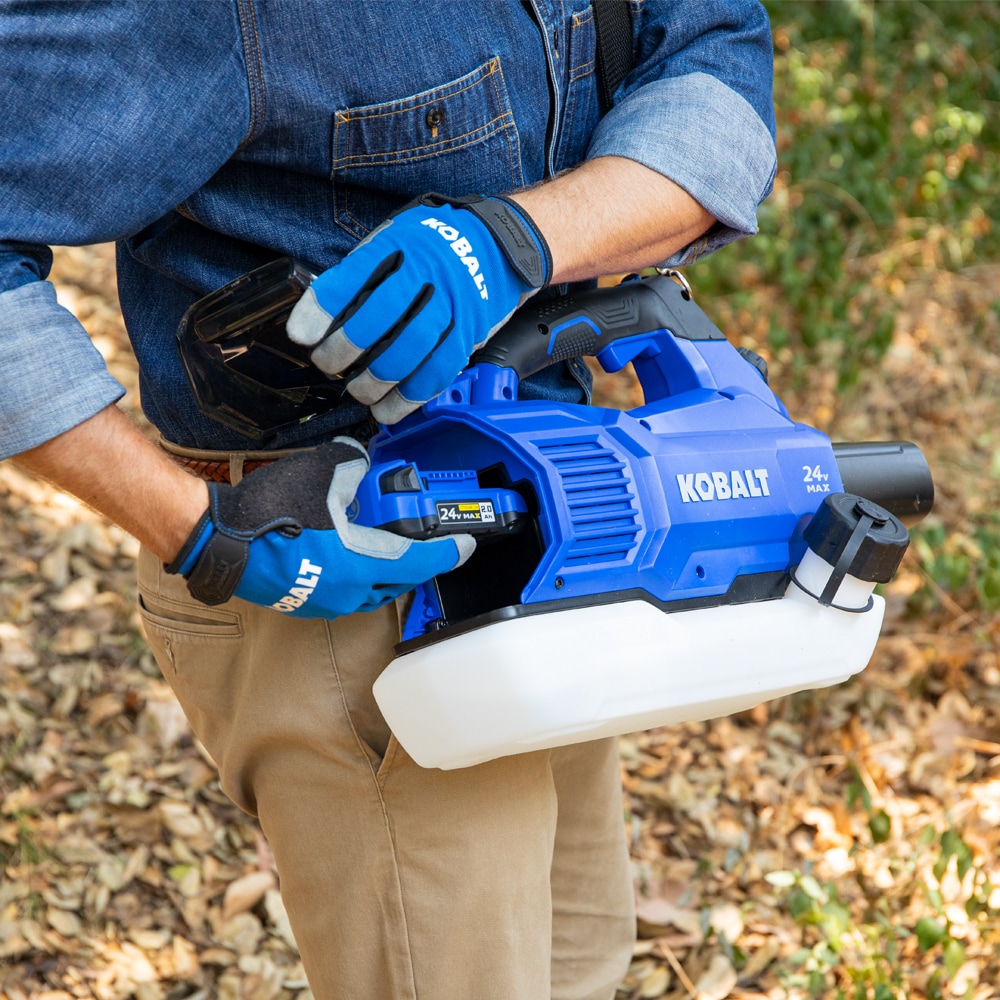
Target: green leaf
880, 826
812, 888
802, 909
963, 859
177, 872
929, 933
927, 835
954, 956
940, 866
817, 983
933, 987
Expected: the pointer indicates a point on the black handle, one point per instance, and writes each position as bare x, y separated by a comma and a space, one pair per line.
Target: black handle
894, 474
584, 323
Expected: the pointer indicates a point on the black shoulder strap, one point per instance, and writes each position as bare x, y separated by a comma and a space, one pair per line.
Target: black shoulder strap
615, 58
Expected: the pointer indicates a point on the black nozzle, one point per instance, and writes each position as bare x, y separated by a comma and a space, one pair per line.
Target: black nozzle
894, 474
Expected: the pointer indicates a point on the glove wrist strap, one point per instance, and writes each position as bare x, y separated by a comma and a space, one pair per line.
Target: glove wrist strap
212, 562
514, 231
217, 572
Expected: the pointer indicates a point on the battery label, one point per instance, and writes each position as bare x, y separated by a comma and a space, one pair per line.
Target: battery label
466, 512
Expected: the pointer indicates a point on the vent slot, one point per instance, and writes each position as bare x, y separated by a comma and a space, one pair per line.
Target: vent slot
598, 497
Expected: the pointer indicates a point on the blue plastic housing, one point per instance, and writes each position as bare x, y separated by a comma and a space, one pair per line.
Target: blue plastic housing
708, 481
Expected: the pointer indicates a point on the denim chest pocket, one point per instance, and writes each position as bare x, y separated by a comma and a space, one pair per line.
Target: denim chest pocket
458, 138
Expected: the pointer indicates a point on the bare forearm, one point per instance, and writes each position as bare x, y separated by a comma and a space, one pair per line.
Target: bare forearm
107, 463
612, 215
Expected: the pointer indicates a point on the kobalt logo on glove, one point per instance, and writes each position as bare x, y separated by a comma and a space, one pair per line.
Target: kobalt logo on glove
463, 248
400, 316
304, 586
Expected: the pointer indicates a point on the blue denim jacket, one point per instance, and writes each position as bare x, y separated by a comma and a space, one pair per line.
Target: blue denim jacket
209, 138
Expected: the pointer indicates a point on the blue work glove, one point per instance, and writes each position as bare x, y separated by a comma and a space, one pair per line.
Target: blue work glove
402, 313
282, 539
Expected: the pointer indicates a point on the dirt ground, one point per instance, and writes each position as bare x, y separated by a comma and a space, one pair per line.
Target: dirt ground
837, 840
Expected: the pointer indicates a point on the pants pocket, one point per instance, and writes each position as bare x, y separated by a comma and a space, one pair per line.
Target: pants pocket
260, 688
170, 627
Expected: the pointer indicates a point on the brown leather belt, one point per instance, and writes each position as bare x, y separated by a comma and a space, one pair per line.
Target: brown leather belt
231, 467
219, 470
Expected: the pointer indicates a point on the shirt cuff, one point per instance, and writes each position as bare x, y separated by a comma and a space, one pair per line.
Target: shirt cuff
53, 375
704, 137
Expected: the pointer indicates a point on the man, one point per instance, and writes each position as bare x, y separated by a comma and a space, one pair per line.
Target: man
210, 138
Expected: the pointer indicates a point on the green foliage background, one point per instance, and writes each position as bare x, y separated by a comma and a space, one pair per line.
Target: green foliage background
888, 167
889, 173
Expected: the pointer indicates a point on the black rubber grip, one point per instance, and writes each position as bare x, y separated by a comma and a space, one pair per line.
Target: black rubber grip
584, 323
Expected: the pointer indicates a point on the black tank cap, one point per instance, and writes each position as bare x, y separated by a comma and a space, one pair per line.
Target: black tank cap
877, 555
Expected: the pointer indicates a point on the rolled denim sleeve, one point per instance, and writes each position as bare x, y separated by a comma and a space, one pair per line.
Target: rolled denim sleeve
111, 116
61, 377
698, 108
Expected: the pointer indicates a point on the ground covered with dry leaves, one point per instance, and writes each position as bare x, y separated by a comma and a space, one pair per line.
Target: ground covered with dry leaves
843, 840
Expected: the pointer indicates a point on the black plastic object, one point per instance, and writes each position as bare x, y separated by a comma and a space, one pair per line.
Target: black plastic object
467, 605
584, 323
243, 369
894, 474
756, 360
857, 538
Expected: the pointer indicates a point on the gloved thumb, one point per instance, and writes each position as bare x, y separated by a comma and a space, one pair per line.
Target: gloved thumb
444, 554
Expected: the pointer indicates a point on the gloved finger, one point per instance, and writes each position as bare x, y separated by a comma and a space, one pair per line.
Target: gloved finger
391, 311
381, 596
419, 562
404, 348
431, 378
338, 293
436, 551
392, 407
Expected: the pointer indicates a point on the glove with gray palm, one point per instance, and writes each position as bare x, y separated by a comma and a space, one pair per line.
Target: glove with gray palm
282, 539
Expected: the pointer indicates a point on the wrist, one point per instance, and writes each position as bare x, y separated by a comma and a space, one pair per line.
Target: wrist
190, 510
612, 215
112, 467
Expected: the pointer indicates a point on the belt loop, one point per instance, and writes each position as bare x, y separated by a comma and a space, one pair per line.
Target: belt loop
236, 460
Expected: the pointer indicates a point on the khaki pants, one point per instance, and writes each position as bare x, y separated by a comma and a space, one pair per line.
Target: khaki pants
505, 881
